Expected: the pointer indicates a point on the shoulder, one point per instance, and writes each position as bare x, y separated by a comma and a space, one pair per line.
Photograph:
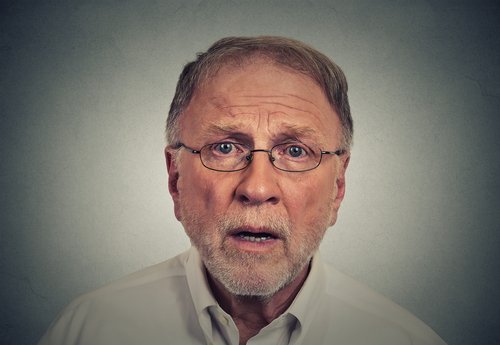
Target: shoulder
149, 303
170, 273
381, 317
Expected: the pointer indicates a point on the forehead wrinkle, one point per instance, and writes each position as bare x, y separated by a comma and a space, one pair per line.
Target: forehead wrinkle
287, 130
221, 102
301, 98
281, 96
226, 107
286, 95
302, 132
288, 107
241, 127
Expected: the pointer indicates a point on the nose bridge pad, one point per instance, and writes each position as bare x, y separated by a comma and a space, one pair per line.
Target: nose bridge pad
249, 158
271, 157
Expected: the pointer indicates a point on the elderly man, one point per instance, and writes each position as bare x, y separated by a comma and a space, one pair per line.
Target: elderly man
259, 136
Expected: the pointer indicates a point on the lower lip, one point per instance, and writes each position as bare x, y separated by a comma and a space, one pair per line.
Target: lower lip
249, 246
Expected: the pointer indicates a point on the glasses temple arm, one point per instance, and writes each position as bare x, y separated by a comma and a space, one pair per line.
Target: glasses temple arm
190, 149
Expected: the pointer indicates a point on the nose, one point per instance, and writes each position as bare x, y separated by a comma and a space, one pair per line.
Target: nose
259, 183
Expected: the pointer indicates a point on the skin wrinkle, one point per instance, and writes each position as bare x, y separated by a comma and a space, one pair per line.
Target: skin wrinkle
284, 96
232, 113
264, 102
289, 132
214, 128
220, 101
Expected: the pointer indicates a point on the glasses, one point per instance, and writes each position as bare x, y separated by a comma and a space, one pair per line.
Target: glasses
229, 156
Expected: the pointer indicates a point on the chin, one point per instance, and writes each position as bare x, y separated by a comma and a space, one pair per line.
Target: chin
252, 277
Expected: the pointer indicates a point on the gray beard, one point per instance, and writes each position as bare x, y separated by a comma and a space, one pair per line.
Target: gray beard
249, 274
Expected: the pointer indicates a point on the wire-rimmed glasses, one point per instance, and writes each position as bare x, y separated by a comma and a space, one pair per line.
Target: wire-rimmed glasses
227, 156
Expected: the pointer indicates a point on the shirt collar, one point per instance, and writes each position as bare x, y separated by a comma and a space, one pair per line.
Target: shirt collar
201, 293
198, 283
304, 305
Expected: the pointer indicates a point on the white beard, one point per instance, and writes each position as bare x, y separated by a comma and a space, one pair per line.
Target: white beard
252, 274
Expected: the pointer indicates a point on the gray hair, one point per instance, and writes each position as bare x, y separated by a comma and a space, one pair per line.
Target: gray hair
282, 51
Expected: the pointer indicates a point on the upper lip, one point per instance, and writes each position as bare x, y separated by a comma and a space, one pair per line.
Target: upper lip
254, 230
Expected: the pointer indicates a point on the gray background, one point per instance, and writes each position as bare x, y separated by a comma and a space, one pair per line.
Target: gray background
85, 88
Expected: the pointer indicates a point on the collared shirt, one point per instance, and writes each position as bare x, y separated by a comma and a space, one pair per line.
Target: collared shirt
171, 303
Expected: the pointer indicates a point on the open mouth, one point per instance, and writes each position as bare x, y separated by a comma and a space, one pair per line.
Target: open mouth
253, 234
255, 237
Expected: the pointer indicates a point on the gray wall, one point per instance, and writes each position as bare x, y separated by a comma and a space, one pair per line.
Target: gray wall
85, 88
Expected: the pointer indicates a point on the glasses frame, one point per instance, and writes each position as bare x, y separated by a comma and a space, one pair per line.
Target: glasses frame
249, 158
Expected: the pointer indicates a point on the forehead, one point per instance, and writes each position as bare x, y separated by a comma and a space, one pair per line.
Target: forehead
258, 98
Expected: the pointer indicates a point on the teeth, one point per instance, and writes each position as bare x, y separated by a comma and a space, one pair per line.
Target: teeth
254, 238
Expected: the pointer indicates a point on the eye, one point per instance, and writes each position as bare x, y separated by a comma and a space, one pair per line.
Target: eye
295, 151
224, 148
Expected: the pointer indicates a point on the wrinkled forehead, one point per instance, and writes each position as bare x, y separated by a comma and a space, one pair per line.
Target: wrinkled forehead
260, 96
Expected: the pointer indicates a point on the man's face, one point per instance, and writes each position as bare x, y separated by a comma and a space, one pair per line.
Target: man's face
256, 229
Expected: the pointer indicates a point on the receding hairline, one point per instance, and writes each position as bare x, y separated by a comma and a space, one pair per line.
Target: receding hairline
261, 60
241, 63
257, 57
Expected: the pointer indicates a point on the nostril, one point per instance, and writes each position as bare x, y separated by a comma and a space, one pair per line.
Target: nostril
243, 199
248, 201
272, 200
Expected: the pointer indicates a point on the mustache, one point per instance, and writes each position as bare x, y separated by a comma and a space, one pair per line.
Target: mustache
276, 225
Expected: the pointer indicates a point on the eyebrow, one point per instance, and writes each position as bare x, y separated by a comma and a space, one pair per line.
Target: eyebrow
218, 129
300, 133
288, 131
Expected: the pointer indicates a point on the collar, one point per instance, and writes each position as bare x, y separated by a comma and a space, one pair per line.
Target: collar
201, 293
304, 305
198, 282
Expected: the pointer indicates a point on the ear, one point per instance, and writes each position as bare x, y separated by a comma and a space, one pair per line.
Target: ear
344, 162
173, 180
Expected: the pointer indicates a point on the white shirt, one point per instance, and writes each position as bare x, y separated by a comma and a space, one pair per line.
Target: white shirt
171, 303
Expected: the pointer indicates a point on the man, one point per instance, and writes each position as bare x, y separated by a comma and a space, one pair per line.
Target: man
259, 135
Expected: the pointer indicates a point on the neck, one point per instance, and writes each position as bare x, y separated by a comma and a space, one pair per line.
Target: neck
252, 313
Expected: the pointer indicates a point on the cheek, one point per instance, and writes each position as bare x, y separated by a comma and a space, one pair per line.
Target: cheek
203, 192
309, 199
